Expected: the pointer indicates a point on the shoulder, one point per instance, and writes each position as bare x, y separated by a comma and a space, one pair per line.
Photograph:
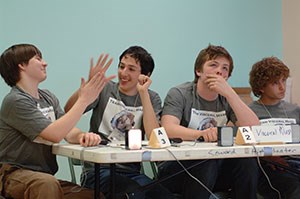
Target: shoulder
111, 86
15, 95
184, 88
153, 93
254, 104
290, 106
15, 99
46, 93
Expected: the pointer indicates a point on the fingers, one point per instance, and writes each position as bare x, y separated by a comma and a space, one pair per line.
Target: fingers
91, 62
100, 59
107, 65
143, 79
103, 60
90, 139
101, 66
210, 135
82, 82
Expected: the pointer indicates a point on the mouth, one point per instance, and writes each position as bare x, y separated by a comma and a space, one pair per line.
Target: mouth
123, 80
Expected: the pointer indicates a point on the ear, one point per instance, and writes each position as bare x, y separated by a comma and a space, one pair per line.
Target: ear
199, 73
21, 66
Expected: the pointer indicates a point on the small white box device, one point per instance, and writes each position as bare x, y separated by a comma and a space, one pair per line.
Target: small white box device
133, 139
225, 136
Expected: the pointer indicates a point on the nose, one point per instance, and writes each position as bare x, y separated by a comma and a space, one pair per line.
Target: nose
44, 63
282, 85
219, 71
124, 71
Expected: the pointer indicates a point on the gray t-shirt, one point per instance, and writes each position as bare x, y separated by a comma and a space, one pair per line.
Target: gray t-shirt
280, 110
193, 111
110, 107
22, 119
110, 95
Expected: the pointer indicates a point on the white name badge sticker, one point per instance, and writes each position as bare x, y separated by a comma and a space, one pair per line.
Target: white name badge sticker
278, 133
245, 136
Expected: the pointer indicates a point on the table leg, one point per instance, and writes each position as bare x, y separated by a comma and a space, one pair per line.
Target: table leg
113, 180
97, 181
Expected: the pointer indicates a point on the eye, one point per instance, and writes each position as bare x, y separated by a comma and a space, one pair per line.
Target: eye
132, 69
226, 68
38, 58
121, 66
284, 80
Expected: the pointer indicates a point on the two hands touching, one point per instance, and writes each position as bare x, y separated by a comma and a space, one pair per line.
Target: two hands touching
90, 90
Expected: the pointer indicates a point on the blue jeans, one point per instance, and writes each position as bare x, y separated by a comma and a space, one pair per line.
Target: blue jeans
127, 183
238, 174
286, 183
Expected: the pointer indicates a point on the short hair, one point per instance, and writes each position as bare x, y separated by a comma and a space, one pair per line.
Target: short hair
268, 70
12, 57
141, 56
210, 53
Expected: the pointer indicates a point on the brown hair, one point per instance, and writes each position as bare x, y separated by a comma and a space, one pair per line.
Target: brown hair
211, 53
268, 70
12, 57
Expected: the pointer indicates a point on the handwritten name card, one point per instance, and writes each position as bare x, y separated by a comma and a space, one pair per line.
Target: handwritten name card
280, 133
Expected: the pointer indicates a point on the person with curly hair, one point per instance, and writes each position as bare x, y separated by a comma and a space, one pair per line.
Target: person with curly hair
268, 82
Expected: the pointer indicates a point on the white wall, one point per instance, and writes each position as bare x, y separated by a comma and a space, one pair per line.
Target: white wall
291, 43
69, 32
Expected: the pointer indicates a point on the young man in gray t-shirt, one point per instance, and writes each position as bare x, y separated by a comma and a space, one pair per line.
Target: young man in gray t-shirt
268, 82
195, 109
31, 119
121, 106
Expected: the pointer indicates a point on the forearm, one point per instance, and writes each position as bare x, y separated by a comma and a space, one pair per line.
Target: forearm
245, 116
149, 117
178, 131
58, 130
71, 101
74, 136
175, 130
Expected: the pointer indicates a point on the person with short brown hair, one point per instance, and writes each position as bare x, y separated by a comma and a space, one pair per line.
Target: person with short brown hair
31, 120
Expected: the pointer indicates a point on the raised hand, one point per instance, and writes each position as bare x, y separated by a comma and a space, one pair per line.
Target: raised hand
90, 90
144, 83
101, 66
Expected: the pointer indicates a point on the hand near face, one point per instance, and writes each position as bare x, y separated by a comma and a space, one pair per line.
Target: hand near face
218, 84
144, 83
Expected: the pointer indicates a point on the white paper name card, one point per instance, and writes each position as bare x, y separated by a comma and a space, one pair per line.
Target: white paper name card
159, 138
278, 133
245, 136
